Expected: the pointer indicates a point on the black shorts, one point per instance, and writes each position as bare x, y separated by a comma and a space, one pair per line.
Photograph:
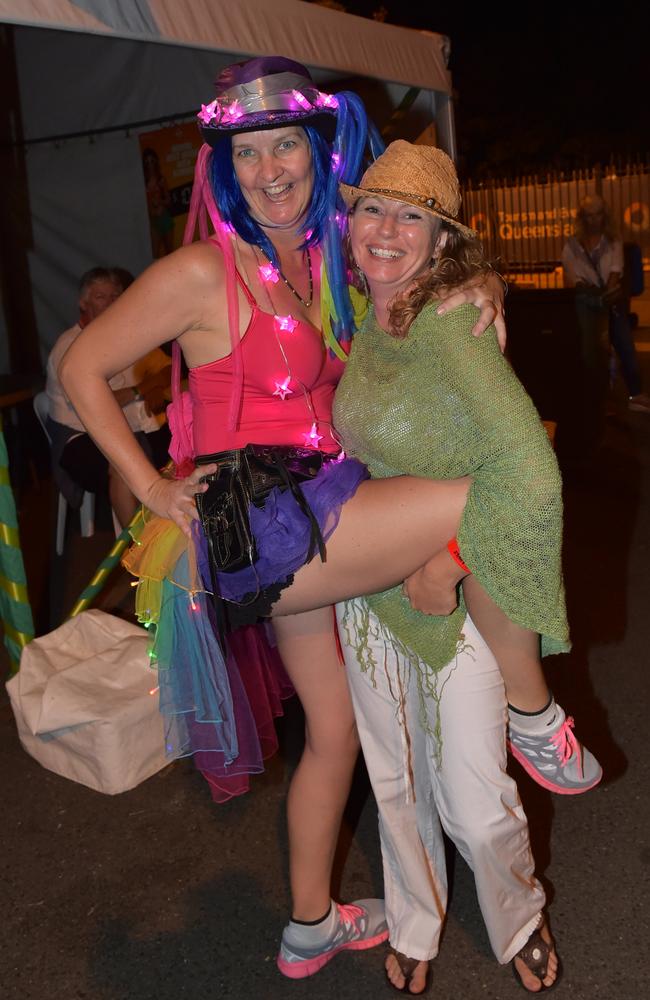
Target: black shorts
88, 467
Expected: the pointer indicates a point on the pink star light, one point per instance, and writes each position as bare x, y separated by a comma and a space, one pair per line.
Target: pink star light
301, 100
287, 323
208, 112
233, 112
282, 388
326, 100
312, 439
268, 272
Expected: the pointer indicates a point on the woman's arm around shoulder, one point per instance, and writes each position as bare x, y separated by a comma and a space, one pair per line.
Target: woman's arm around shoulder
488, 294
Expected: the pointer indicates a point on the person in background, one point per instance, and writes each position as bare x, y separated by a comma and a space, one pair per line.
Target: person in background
593, 264
142, 390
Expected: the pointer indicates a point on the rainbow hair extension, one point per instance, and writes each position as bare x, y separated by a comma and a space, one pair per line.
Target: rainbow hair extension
354, 134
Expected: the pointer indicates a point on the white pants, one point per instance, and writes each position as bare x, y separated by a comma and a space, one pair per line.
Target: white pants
466, 791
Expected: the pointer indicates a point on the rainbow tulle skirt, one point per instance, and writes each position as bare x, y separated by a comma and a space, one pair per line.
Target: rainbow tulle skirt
219, 695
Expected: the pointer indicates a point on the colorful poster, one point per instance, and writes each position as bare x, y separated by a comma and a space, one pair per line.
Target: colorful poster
168, 158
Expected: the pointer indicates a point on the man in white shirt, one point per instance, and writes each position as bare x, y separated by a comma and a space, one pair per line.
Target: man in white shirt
592, 263
141, 391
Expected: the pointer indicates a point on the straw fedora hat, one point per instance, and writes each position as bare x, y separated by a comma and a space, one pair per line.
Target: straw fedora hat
423, 176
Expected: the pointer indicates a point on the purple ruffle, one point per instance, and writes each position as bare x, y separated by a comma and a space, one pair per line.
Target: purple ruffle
283, 532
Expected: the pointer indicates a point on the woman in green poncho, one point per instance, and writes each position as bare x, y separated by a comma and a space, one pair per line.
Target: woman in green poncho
421, 396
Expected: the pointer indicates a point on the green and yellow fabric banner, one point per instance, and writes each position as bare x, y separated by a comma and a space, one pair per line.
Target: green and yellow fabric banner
15, 609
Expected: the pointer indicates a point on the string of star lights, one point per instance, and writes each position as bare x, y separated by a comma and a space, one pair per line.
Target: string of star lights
227, 114
269, 275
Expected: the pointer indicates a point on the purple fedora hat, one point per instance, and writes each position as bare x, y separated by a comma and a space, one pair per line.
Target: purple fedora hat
262, 93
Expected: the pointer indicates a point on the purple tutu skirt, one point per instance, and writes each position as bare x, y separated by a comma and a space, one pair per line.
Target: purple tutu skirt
220, 696
282, 531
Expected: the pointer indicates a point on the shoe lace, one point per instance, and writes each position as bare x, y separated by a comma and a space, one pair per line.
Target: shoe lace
349, 914
565, 744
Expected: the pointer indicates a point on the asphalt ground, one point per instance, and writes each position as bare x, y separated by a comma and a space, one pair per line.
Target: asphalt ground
158, 894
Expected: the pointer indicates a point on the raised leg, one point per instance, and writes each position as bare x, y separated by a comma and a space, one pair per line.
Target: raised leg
386, 531
516, 649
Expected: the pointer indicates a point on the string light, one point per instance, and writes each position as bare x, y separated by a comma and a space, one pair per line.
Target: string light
282, 388
287, 323
233, 112
208, 112
301, 100
268, 272
326, 100
313, 438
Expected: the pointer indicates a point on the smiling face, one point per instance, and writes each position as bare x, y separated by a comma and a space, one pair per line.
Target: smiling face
274, 170
392, 243
97, 297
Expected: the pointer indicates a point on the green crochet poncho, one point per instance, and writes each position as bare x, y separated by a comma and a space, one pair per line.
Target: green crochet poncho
442, 404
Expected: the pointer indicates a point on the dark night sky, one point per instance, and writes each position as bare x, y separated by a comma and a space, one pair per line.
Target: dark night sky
541, 86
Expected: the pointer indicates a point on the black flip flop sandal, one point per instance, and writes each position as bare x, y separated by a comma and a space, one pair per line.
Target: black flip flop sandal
535, 954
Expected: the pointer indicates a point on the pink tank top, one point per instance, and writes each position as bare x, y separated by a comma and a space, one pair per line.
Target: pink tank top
266, 417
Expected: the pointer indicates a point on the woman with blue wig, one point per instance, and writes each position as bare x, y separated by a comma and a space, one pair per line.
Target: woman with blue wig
262, 309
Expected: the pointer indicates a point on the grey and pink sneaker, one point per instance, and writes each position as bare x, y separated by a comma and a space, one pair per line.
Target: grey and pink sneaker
556, 759
359, 925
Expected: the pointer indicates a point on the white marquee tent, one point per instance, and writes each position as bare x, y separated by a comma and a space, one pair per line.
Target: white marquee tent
93, 74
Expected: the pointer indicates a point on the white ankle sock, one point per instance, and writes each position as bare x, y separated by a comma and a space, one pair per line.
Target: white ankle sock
311, 934
537, 723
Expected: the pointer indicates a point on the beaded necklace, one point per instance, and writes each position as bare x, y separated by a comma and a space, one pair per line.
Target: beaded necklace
270, 269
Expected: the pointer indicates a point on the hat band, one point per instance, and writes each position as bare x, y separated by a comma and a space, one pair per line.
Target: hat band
421, 199
279, 92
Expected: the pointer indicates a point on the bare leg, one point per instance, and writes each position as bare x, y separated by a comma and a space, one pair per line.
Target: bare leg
515, 649
321, 783
386, 531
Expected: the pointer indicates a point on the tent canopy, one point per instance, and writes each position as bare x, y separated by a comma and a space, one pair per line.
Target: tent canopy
92, 74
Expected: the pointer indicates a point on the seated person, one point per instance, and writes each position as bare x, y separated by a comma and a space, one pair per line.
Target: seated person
141, 390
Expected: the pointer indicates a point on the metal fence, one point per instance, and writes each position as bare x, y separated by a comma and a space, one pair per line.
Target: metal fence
524, 222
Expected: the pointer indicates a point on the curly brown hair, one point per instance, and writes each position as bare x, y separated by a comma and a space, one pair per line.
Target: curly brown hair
463, 260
